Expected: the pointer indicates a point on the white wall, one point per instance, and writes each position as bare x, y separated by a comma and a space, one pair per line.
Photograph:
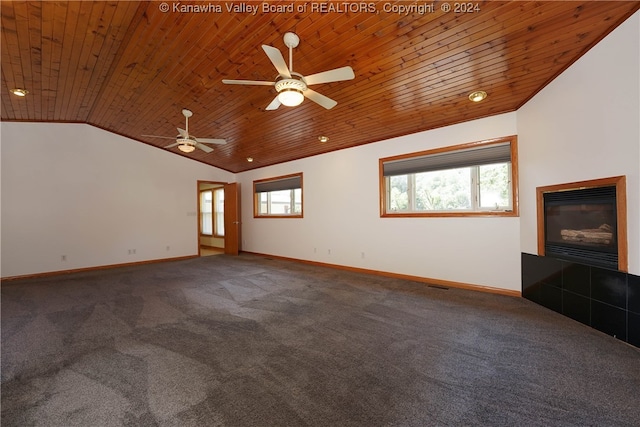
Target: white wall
342, 215
586, 125
79, 191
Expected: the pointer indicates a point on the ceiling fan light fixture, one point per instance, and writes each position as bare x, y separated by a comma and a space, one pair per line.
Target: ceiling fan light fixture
477, 96
185, 145
19, 92
186, 148
290, 97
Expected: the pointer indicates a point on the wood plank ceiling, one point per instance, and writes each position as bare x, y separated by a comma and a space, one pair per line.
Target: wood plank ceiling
130, 67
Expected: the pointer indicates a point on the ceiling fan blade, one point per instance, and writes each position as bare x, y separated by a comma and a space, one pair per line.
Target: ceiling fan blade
274, 104
183, 133
211, 140
175, 144
163, 137
337, 75
204, 147
248, 82
322, 100
277, 60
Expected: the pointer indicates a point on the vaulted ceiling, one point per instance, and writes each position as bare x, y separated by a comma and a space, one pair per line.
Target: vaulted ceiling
130, 67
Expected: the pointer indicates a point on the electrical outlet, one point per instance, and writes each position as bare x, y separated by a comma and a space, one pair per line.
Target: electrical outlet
328, 251
168, 247
362, 255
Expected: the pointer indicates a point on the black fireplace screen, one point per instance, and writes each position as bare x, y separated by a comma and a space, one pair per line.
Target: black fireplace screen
581, 225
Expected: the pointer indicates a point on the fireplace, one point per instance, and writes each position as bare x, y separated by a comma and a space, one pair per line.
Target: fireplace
581, 269
581, 225
584, 222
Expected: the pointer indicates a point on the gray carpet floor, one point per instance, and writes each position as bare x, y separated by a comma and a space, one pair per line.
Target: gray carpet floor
252, 341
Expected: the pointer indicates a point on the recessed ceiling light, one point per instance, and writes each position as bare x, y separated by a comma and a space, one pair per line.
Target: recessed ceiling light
19, 92
477, 96
323, 138
249, 159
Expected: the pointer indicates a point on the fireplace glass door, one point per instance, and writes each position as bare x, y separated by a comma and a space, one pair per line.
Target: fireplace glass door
581, 225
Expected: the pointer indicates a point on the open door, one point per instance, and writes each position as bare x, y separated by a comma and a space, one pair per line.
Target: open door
232, 218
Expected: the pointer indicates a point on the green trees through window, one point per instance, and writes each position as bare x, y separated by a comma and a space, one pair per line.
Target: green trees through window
472, 178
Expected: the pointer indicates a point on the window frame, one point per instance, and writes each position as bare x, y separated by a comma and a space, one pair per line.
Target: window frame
256, 196
513, 212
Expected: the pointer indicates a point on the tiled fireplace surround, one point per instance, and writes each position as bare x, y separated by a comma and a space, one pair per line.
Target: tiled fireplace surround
604, 298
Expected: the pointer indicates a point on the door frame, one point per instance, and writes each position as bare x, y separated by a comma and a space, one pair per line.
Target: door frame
198, 190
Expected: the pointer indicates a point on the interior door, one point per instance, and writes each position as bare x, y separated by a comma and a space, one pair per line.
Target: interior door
232, 218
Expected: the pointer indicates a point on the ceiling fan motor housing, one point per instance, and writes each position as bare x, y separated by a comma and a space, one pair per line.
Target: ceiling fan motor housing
186, 141
294, 83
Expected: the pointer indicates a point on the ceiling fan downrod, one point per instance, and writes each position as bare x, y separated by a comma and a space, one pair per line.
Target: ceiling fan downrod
291, 40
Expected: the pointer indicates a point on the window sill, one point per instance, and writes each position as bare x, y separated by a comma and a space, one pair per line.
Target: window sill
278, 216
487, 214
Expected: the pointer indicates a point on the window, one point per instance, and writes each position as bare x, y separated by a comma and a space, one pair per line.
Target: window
206, 212
473, 179
212, 212
278, 197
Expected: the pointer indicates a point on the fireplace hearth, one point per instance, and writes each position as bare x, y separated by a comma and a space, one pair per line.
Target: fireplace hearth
604, 299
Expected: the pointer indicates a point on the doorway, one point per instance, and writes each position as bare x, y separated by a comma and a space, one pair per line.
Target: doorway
218, 218
211, 239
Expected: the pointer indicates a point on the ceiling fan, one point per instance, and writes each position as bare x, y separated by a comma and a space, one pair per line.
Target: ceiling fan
293, 87
187, 143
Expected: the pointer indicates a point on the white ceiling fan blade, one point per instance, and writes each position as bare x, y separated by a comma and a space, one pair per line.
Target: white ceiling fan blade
274, 104
204, 147
337, 75
248, 82
183, 133
175, 144
322, 100
163, 137
211, 140
277, 60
